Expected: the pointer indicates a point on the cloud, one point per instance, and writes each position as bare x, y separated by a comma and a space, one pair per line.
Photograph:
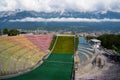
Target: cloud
30, 19
60, 5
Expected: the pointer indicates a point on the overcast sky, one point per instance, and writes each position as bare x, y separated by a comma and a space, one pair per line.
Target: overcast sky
61, 5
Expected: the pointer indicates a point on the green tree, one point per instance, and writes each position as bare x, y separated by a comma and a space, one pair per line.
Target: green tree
0, 32
13, 32
5, 31
110, 41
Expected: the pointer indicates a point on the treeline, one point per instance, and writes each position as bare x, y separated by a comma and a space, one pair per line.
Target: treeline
0, 32
109, 41
12, 32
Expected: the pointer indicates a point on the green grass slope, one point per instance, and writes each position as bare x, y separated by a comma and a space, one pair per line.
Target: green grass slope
65, 45
56, 67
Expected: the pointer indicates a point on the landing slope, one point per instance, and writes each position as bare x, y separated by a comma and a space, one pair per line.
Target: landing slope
65, 45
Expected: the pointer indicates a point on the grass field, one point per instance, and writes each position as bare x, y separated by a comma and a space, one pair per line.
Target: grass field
65, 44
61, 57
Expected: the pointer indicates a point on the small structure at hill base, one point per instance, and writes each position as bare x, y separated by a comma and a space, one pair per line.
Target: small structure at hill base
95, 43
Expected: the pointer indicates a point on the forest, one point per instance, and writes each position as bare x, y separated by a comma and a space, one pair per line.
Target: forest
109, 41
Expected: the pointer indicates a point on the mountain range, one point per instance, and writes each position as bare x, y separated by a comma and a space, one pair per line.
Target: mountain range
12, 15
6, 16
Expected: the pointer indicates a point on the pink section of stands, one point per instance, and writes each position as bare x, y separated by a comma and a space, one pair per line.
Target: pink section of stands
41, 41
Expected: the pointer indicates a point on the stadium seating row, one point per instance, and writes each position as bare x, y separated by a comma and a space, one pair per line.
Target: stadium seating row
19, 53
41, 41
85, 52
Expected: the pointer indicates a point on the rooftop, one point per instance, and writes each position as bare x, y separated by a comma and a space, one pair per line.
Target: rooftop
95, 40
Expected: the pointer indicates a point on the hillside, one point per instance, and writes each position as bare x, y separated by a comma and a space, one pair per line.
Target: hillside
54, 67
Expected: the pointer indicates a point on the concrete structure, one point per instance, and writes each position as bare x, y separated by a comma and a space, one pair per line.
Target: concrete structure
95, 43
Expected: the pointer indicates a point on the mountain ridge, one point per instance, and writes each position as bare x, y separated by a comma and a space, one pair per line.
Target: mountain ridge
12, 15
